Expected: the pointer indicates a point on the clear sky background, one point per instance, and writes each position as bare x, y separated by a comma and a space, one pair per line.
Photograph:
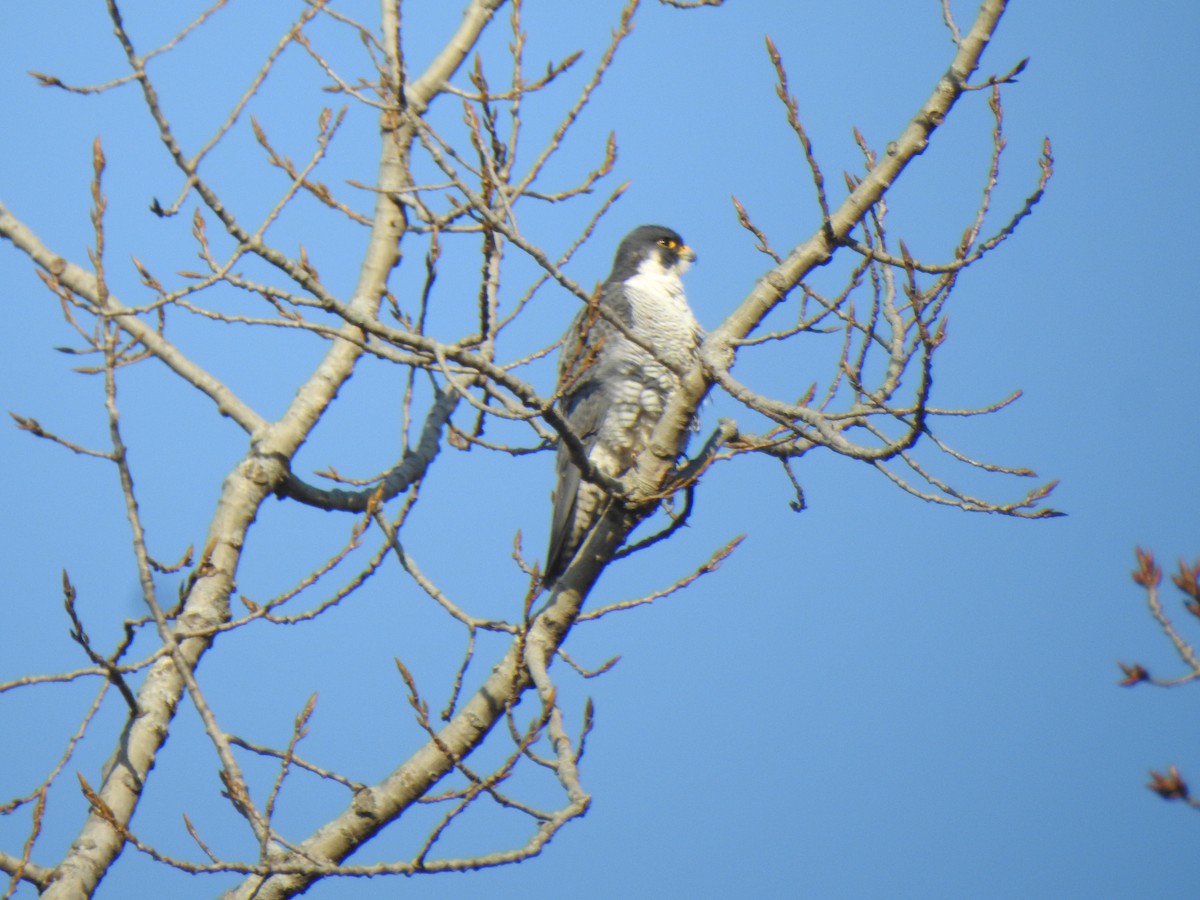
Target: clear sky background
872, 698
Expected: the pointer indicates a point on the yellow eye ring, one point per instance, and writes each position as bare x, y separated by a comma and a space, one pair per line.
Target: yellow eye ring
669, 243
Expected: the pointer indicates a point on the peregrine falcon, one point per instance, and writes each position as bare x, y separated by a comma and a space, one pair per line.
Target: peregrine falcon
613, 391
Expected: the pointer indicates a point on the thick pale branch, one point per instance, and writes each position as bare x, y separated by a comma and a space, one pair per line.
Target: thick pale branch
378, 805
718, 351
25, 870
902, 326
818, 249
433, 80
244, 490
84, 283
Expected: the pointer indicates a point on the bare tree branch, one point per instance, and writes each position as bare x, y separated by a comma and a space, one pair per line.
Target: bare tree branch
449, 189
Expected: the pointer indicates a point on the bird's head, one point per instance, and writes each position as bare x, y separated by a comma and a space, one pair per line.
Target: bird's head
652, 250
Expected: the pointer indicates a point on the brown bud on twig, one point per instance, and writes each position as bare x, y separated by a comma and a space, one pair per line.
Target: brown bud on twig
1147, 574
1188, 580
1134, 674
1170, 786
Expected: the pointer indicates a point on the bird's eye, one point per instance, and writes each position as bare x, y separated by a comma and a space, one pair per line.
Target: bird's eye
669, 243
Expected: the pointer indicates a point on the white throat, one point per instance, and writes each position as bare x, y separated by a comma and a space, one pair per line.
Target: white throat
652, 268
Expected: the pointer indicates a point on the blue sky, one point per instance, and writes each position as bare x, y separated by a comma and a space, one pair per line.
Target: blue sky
872, 698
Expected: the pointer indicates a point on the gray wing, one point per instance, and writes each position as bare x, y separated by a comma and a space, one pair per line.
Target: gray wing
585, 407
584, 411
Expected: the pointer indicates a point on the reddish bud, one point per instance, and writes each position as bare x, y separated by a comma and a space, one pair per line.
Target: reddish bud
1188, 579
1170, 786
1147, 574
1133, 674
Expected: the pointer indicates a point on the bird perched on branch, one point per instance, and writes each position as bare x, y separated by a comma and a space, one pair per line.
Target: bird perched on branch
613, 389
